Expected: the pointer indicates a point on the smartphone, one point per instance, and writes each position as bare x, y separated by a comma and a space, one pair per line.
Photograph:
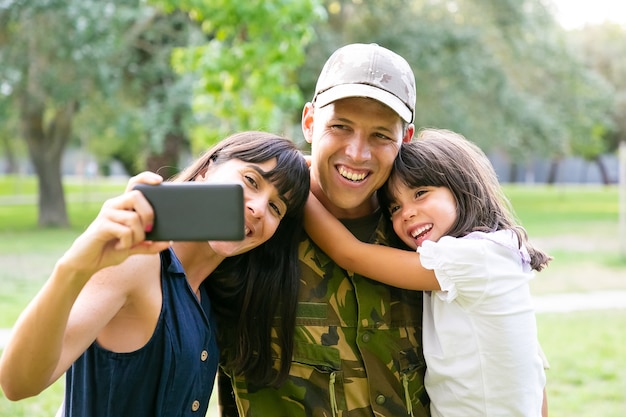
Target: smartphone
195, 211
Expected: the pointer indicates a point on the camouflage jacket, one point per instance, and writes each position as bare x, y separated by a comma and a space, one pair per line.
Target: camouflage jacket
357, 348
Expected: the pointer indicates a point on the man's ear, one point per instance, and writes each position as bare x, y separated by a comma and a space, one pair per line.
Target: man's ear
408, 135
307, 122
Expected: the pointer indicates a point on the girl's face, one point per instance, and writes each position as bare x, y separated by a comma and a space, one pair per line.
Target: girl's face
421, 213
264, 206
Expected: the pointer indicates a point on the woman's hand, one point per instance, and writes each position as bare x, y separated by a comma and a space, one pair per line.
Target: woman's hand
118, 231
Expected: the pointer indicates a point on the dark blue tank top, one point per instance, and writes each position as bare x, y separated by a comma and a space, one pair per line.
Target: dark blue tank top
172, 375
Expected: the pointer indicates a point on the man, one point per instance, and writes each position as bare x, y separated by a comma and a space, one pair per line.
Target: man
357, 348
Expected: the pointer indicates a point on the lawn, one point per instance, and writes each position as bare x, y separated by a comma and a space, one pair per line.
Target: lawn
577, 225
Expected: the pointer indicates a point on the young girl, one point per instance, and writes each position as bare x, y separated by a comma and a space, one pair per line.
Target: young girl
473, 261
130, 322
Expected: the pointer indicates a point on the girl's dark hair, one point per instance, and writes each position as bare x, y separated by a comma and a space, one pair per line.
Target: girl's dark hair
441, 158
252, 290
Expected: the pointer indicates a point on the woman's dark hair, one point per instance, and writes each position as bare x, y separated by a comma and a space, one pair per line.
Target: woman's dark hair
256, 292
441, 158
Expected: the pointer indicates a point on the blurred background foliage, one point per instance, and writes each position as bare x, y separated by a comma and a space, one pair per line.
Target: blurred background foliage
148, 83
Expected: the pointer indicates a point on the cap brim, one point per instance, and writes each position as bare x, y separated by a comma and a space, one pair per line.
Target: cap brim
341, 91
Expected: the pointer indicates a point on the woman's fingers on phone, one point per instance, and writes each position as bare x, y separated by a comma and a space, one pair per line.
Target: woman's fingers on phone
132, 210
145, 177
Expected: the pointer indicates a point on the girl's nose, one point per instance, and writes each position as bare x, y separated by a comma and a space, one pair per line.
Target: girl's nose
408, 212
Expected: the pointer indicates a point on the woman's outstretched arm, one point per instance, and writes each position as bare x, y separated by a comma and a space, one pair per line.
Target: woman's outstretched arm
54, 330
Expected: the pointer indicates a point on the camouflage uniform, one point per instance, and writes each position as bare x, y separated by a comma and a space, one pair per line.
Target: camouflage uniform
357, 347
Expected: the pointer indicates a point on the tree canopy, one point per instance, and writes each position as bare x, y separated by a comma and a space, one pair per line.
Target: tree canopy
147, 82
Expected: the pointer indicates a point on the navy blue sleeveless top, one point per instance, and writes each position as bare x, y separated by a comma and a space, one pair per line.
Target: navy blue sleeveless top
172, 375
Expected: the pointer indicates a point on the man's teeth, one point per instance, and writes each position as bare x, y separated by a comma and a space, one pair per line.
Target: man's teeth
421, 230
351, 175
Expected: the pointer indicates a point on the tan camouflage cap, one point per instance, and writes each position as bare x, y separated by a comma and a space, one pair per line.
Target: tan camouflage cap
368, 70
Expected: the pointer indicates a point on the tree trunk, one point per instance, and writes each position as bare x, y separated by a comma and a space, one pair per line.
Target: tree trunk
513, 172
166, 162
45, 147
604, 174
10, 158
553, 172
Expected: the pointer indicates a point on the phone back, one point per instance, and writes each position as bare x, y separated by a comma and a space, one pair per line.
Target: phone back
195, 211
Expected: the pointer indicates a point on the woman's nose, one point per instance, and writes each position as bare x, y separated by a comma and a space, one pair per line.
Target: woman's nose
257, 205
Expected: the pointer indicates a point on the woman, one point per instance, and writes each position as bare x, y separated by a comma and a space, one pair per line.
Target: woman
129, 319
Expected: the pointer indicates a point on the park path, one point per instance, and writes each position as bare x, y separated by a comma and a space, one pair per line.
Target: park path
551, 303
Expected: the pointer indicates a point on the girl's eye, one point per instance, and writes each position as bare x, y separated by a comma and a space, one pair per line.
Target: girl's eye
420, 193
393, 208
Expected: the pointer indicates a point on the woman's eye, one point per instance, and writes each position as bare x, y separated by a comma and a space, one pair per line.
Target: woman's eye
276, 209
251, 181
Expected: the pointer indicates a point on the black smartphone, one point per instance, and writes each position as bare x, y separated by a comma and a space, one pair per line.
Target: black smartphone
195, 211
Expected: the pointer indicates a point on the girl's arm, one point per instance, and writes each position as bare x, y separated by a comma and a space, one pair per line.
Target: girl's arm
62, 321
396, 267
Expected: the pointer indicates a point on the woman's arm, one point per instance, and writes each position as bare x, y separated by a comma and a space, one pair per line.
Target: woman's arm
55, 329
396, 267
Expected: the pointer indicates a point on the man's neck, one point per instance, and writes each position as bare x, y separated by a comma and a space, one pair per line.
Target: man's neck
363, 210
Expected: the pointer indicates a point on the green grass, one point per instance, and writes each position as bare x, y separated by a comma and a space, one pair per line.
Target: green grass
11, 185
577, 225
587, 354
552, 210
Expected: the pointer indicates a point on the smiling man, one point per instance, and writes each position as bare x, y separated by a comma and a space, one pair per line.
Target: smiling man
357, 349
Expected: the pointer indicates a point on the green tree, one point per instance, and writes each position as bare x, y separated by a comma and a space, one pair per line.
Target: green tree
99, 72
53, 54
248, 66
143, 124
602, 48
498, 71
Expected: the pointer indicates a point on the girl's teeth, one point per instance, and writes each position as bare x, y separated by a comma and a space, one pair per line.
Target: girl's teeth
421, 230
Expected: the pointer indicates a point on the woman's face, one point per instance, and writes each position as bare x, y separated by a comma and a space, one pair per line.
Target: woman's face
263, 205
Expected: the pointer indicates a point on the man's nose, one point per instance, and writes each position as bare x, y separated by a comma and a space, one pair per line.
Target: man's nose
358, 148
